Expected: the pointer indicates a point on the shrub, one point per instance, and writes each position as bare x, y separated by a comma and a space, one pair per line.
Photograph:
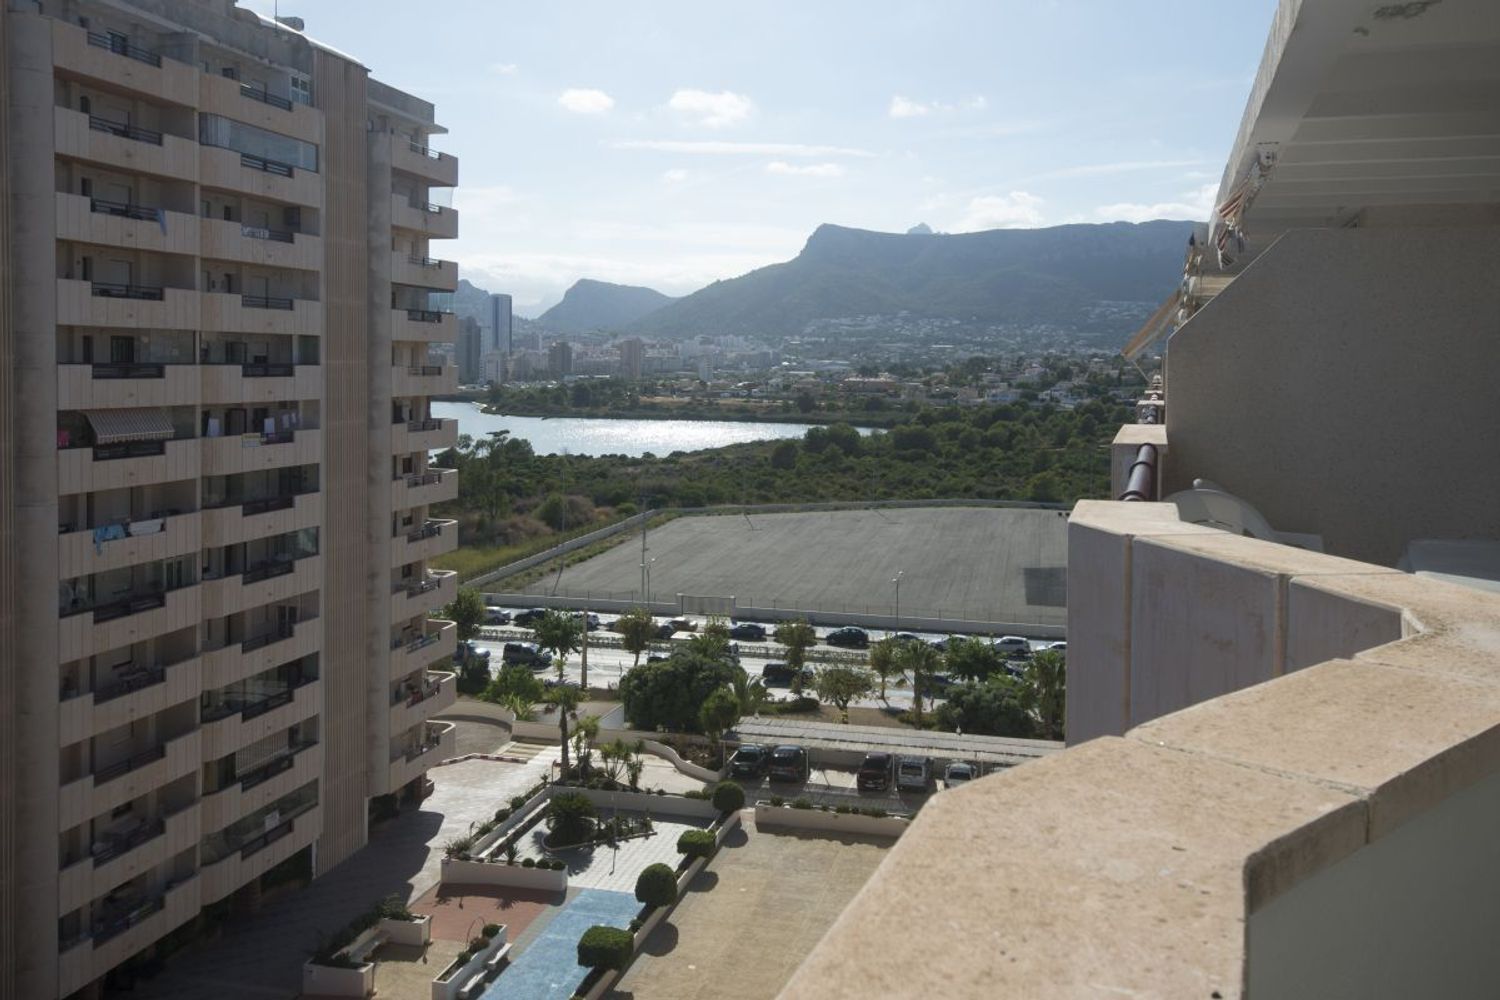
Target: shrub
876, 811
656, 885
462, 959
458, 847
661, 791
695, 793
842, 810
826, 808
604, 947
502, 814
490, 930
528, 862
518, 801
635, 924
778, 801
802, 802
478, 944
728, 797
696, 843
393, 907
570, 817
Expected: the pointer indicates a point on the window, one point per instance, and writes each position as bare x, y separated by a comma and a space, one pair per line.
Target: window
84, 105
226, 133
85, 187
301, 89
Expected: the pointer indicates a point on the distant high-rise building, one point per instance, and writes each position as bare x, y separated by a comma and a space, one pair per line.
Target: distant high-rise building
632, 353
469, 341
502, 327
560, 359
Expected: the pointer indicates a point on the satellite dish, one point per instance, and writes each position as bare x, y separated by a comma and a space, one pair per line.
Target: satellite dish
1210, 505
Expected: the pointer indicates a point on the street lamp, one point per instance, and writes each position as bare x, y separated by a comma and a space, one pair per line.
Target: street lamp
896, 581
646, 574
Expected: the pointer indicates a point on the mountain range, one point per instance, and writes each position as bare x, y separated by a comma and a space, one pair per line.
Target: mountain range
600, 305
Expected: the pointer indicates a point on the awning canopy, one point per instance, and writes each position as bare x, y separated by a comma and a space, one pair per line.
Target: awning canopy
1155, 327
114, 426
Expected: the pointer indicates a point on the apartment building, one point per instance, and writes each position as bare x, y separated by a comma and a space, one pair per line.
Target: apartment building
1283, 773
221, 283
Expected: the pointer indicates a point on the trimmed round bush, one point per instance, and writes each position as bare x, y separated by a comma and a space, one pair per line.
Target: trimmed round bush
604, 947
490, 930
696, 843
657, 885
729, 797
528, 862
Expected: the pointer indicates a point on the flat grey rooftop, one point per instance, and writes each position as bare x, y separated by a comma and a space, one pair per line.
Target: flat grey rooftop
831, 736
981, 564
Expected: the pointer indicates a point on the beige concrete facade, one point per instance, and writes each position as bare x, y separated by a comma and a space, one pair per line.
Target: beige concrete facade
200, 333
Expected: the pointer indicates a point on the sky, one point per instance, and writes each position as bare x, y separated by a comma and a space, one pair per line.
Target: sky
672, 144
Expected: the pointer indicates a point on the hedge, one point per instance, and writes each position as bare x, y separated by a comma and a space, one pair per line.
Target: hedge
696, 843
657, 885
728, 797
603, 947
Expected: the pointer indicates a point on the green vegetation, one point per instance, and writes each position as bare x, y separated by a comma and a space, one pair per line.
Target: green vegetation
669, 694
560, 633
839, 685
718, 714
883, 663
656, 885
798, 637
972, 658
566, 698
696, 843
918, 661
993, 707
603, 947
466, 610
570, 818
636, 630
728, 797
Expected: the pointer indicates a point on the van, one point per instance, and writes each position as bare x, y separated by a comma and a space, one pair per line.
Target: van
913, 774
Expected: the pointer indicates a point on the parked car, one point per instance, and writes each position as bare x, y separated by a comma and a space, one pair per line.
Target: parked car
906, 637
958, 773
656, 658
875, 772
529, 617
683, 625
527, 654
664, 631
848, 637
1058, 647
590, 620
467, 653
913, 774
1012, 647
496, 616
941, 645
748, 632
778, 674
789, 763
750, 761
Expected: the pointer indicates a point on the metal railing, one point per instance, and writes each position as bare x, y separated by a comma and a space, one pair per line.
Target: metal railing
265, 840
129, 764
129, 606
130, 684
134, 132
417, 147
265, 302
424, 370
422, 426
257, 94
423, 479
124, 211
425, 261
266, 770
267, 371
266, 506
269, 703
101, 41
122, 845
428, 207
255, 642
128, 369
426, 315
429, 530
129, 449
106, 928
111, 290
266, 571
268, 166
266, 233
1140, 484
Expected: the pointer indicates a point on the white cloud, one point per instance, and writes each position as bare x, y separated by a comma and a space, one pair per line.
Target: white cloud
975, 103
1016, 210
810, 170
504, 69
902, 107
709, 109
585, 102
675, 176
715, 148
1105, 169
1195, 205
905, 107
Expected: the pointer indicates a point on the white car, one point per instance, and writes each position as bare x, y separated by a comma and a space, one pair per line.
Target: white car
1058, 647
1012, 646
959, 773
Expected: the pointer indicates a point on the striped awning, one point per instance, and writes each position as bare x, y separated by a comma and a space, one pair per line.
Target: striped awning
114, 426
1158, 325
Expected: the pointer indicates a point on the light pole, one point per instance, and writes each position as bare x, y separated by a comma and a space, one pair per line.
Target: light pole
646, 573
896, 581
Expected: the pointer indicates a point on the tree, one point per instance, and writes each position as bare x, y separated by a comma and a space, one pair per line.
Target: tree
883, 662
605, 947
636, 632
784, 455
514, 680
798, 637
918, 661
839, 685
971, 659
668, 694
712, 641
845, 439
728, 797
996, 707
567, 698
1045, 691
584, 732
656, 885
805, 402
552, 511
635, 764
750, 694
718, 714
559, 633
570, 817
466, 610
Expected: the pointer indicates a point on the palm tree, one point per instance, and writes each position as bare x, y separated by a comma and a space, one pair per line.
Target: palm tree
584, 732
883, 663
751, 694
798, 637
919, 661
1045, 683
566, 697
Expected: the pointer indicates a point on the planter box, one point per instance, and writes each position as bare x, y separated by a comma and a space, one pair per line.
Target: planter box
657, 805
485, 844
456, 872
409, 933
321, 980
818, 821
448, 989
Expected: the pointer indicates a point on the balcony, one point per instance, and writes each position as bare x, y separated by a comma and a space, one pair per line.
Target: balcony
126, 385
227, 456
128, 778
425, 326
263, 784
423, 272
423, 380
259, 245
121, 543
231, 312
86, 630
415, 703
122, 854
408, 600
128, 931
434, 645
259, 383
423, 436
231, 171
244, 102
433, 221
84, 470
424, 488
135, 692
77, 52
84, 303
433, 538
260, 854
409, 762
257, 519
232, 727
411, 157
275, 580
124, 147
117, 224
259, 652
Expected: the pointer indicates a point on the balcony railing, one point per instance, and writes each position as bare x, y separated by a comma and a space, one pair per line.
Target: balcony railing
428, 207
267, 371
268, 166
266, 770
125, 49
115, 846
128, 369
266, 506
416, 645
267, 571
115, 924
265, 302
124, 211
424, 370
426, 586
265, 840
129, 449
417, 147
134, 132
129, 606
429, 530
111, 290
422, 479
265, 233
255, 642
422, 426
257, 94
414, 694
425, 261
426, 315
129, 764
130, 681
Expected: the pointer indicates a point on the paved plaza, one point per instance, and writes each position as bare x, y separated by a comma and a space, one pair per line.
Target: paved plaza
981, 564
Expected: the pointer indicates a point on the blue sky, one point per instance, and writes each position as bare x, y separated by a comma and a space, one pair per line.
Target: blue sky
674, 143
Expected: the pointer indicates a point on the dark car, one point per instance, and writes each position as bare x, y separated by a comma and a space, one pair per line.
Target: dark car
848, 637
788, 763
529, 617
875, 772
779, 674
656, 658
591, 620
665, 631
936, 685
750, 761
527, 654
683, 625
748, 632
906, 637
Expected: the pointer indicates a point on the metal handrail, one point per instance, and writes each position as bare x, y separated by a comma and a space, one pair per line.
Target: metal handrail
426, 315
425, 261
266, 572
127, 369
257, 94
125, 49
424, 369
252, 507
265, 302
129, 449
267, 371
124, 131
253, 643
114, 290
417, 147
266, 233
123, 210
129, 764
1140, 484
269, 166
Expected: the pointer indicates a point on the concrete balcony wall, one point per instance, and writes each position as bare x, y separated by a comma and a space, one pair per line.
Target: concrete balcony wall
233, 733
84, 716
404, 715
78, 636
76, 220
404, 496
222, 169
229, 525
230, 384
404, 605
218, 95
79, 472
78, 389
175, 158
404, 328
443, 276
81, 800
231, 594
405, 382
404, 551
227, 312
222, 240
84, 963
405, 659
440, 170
174, 82
403, 771
77, 305
404, 441
84, 881
80, 555
232, 802
441, 225
227, 456
230, 873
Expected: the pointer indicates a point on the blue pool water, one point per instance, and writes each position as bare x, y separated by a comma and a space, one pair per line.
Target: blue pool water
548, 969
